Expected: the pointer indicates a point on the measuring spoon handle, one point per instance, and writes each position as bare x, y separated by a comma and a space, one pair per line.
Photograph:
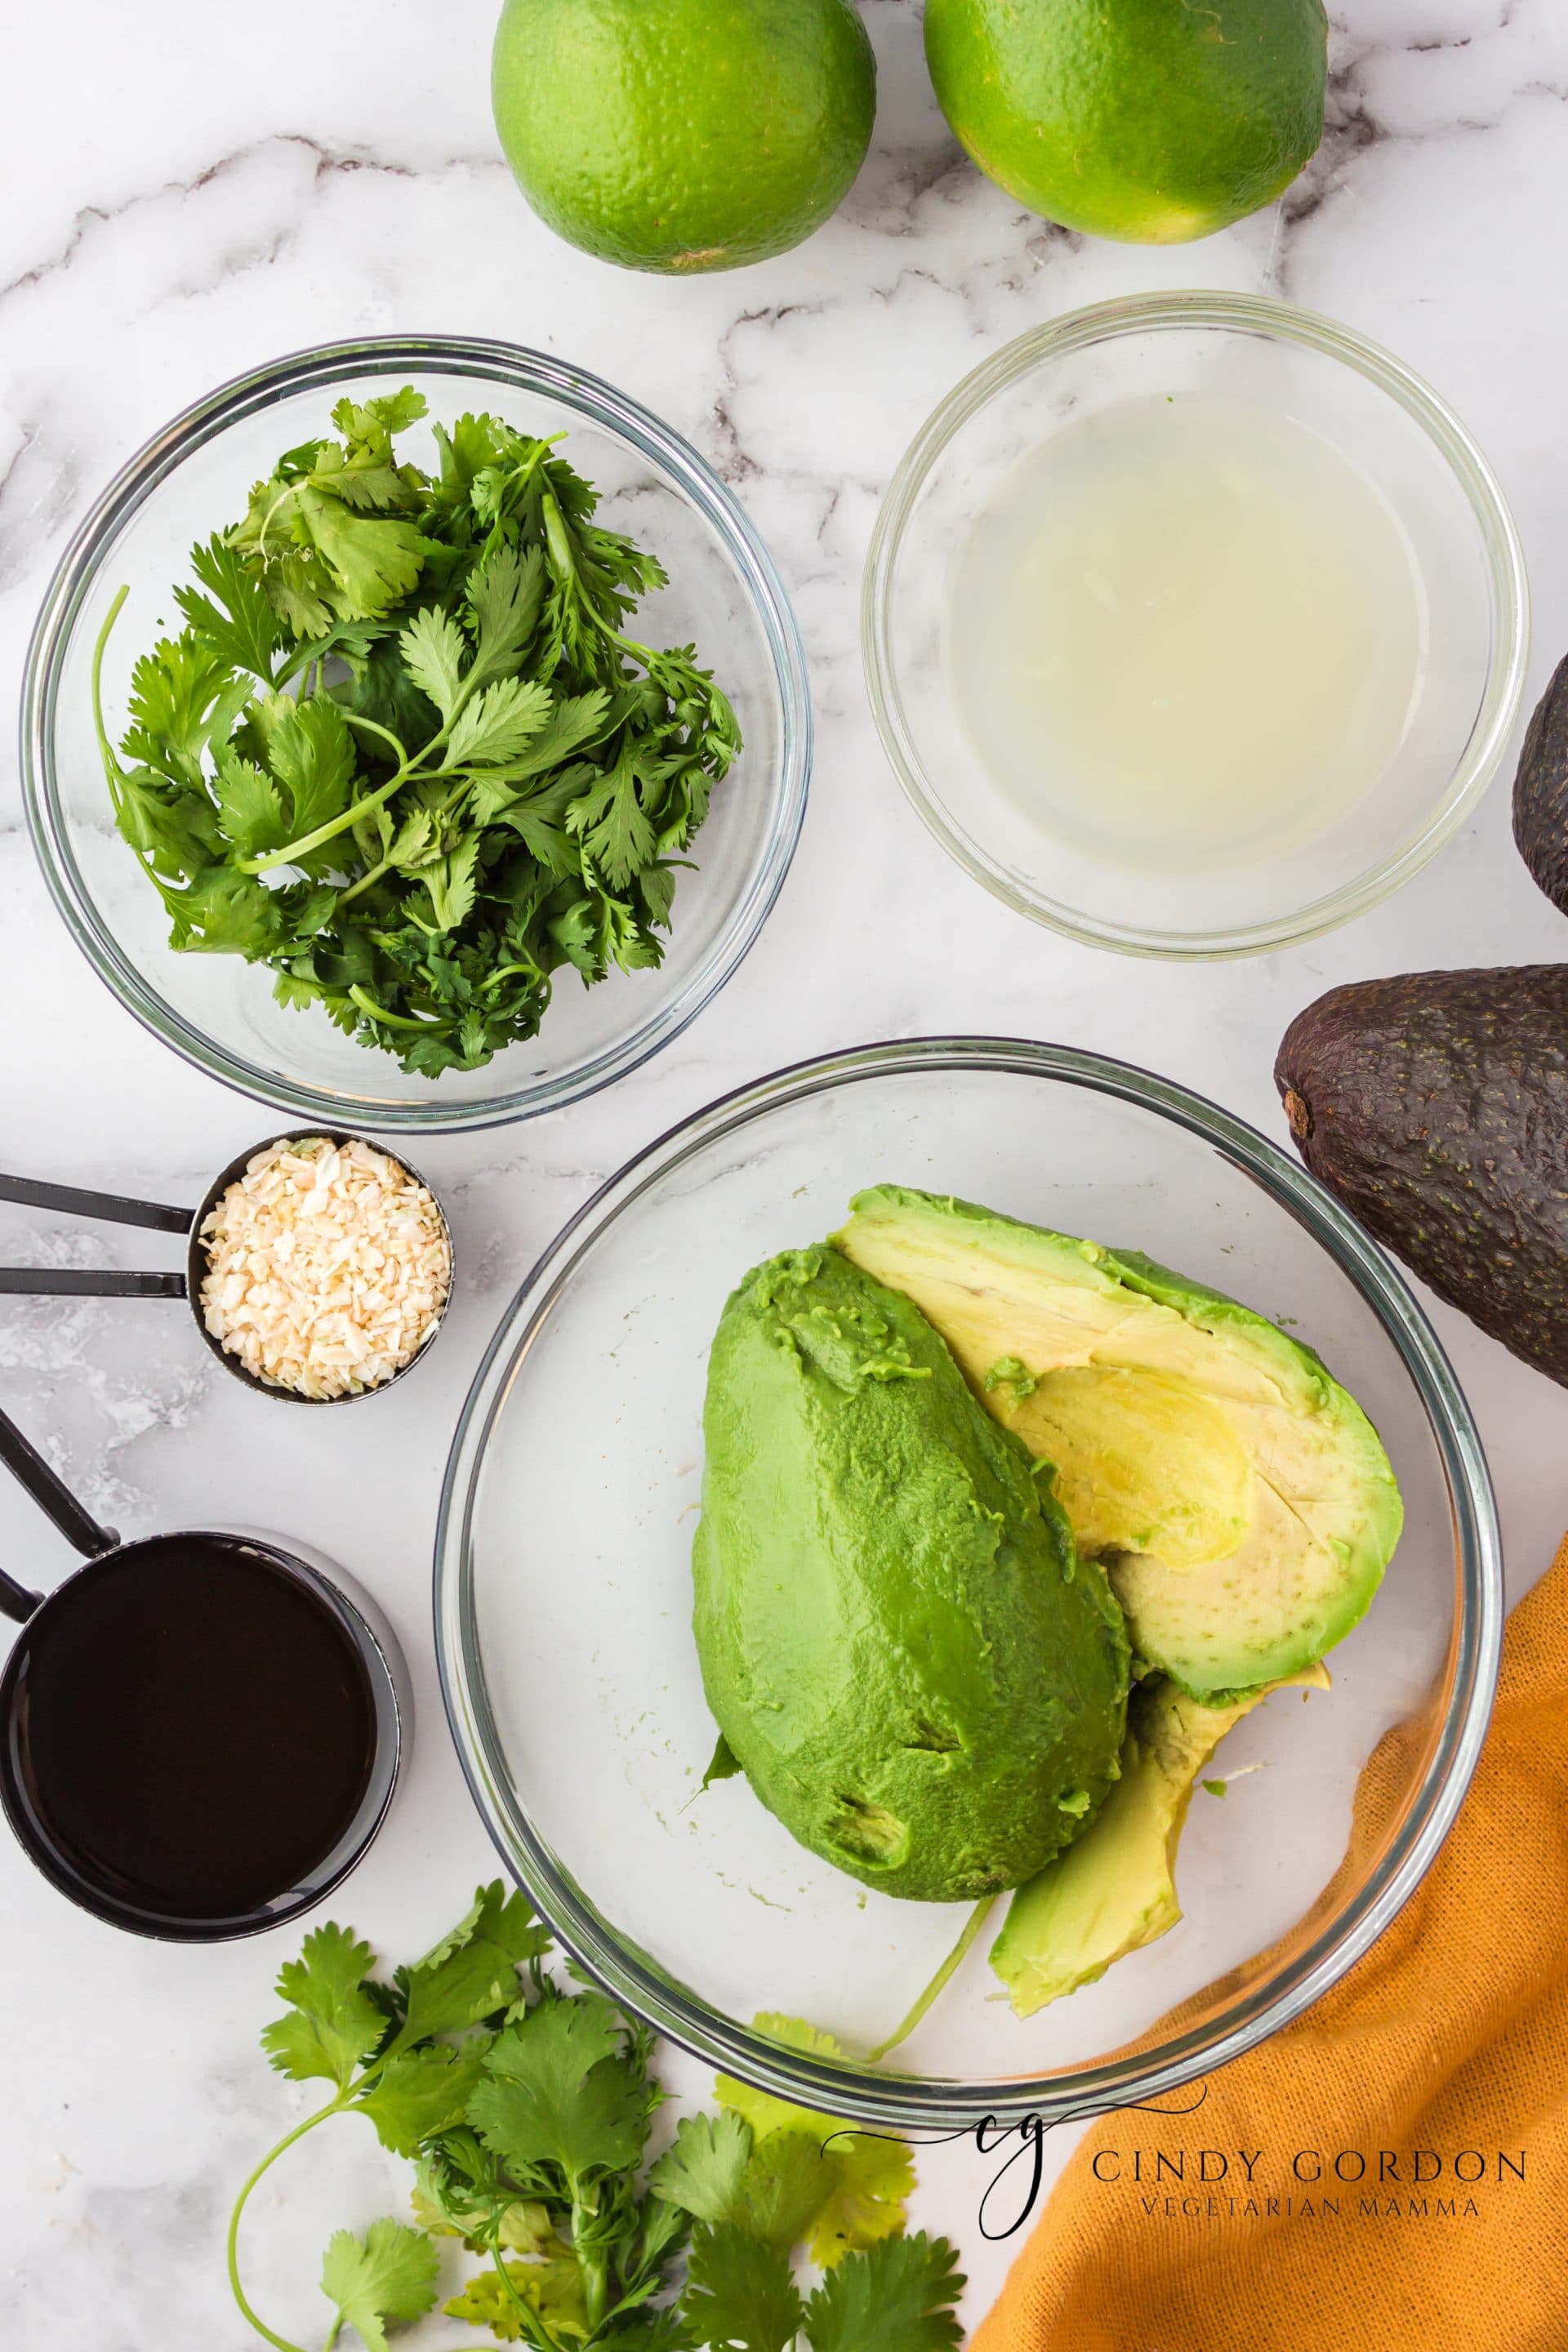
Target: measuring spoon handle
88, 1282
52, 1496
113, 1207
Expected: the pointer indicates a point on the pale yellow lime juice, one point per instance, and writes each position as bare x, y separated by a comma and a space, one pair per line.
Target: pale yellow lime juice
1188, 633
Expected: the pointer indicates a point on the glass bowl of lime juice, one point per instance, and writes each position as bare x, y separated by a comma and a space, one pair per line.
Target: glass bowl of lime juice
1195, 623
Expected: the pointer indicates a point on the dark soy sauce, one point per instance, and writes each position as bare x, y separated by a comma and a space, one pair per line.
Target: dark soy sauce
193, 1731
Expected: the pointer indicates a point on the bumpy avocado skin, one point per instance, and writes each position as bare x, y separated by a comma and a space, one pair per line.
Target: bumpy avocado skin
1541, 791
1435, 1106
918, 1675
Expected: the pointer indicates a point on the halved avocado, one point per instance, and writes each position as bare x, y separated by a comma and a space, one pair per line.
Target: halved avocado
1116, 1888
1238, 1497
901, 1648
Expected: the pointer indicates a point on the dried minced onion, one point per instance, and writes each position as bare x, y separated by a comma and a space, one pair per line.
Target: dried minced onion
328, 1267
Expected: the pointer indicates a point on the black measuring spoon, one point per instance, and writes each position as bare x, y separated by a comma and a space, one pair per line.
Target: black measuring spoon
200, 1733
114, 1282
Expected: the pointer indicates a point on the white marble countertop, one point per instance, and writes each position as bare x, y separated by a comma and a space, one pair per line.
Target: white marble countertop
192, 187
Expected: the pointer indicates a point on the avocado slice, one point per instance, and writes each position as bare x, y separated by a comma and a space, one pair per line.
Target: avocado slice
1435, 1106
1239, 1499
1116, 1888
898, 1640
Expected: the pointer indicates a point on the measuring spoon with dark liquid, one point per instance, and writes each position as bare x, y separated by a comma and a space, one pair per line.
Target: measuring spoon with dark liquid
201, 1731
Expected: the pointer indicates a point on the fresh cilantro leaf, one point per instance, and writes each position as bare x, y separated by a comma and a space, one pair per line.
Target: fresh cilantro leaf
373, 424
872, 2177
174, 828
558, 2090
702, 2170
522, 2227
469, 447
899, 2297
662, 2228
550, 2287
664, 2330
318, 555
414, 843
740, 2293
495, 727
575, 722
311, 750
225, 912
787, 2185
616, 832
537, 816
248, 806
578, 931
472, 1972
762, 2110
387, 2278
418, 2092
505, 593
866, 2175
372, 559
468, 2188
656, 888
235, 618
452, 884
433, 651
332, 2024
177, 699
775, 2189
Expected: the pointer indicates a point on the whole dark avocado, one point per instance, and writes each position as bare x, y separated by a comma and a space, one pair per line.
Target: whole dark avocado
1435, 1106
1541, 791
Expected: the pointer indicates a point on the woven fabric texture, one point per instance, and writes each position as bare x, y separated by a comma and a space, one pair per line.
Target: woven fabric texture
1450, 2036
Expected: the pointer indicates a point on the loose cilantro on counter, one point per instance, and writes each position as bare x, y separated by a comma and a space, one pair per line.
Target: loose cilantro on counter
529, 2111
403, 750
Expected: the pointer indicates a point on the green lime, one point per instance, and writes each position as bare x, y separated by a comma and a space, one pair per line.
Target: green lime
1154, 121
683, 134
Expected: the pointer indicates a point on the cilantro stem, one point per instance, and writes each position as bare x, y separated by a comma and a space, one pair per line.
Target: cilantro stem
367, 1004
111, 764
906, 2025
372, 873
557, 539
535, 2328
279, 2343
293, 850
114, 774
358, 719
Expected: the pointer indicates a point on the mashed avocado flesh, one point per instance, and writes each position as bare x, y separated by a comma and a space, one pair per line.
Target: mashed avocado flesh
915, 1671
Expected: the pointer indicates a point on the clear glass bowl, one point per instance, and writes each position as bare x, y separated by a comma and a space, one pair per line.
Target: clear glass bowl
1378, 414
562, 1594
724, 596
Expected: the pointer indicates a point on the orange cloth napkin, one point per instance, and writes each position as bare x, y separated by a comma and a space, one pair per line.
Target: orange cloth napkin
1450, 2035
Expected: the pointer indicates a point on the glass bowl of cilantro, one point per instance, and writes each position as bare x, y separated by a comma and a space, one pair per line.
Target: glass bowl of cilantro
416, 728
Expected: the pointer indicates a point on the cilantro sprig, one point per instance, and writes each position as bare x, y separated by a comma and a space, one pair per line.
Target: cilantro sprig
529, 2110
403, 750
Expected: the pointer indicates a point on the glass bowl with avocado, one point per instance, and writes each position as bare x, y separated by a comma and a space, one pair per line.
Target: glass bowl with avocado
415, 730
863, 1558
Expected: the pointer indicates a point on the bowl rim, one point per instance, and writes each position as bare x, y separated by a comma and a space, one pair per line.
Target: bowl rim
1267, 317
320, 367
849, 2089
